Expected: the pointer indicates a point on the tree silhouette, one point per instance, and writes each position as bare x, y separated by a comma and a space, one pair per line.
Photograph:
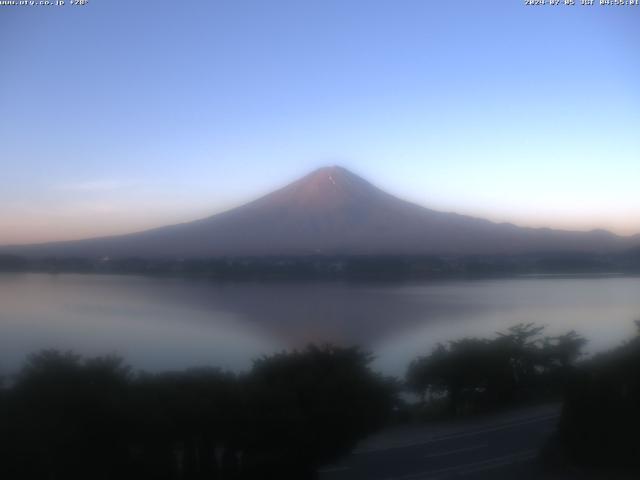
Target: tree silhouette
311, 406
478, 374
67, 417
601, 416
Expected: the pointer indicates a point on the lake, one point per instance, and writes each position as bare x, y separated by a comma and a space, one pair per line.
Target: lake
172, 323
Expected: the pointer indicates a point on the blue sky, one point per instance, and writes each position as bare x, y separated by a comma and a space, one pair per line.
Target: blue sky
119, 116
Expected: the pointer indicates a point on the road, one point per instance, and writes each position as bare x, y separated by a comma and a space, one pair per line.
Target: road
497, 447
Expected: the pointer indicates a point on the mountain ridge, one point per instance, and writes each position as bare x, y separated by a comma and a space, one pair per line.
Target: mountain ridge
332, 211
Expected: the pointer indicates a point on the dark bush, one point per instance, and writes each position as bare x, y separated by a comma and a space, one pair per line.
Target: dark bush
601, 414
475, 374
70, 418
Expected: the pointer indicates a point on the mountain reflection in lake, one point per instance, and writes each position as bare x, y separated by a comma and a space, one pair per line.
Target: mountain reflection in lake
170, 323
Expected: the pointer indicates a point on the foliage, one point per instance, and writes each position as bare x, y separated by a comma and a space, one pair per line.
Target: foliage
66, 417
601, 414
478, 374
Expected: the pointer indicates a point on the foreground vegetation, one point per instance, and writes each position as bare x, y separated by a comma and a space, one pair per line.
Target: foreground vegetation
67, 417
473, 375
600, 420
601, 412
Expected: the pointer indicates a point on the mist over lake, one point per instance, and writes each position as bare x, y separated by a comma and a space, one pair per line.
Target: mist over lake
173, 323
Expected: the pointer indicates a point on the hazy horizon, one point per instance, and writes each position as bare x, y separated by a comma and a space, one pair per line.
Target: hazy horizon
275, 188
494, 110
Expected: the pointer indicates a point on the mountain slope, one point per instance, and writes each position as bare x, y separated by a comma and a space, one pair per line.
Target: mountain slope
331, 211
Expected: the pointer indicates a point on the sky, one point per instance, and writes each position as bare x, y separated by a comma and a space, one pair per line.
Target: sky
118, 116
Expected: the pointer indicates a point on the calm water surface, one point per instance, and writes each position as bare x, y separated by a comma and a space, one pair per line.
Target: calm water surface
168, 323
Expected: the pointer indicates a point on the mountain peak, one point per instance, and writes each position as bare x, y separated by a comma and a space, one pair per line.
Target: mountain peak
332, 173
325, 188
329, 169
334, 177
